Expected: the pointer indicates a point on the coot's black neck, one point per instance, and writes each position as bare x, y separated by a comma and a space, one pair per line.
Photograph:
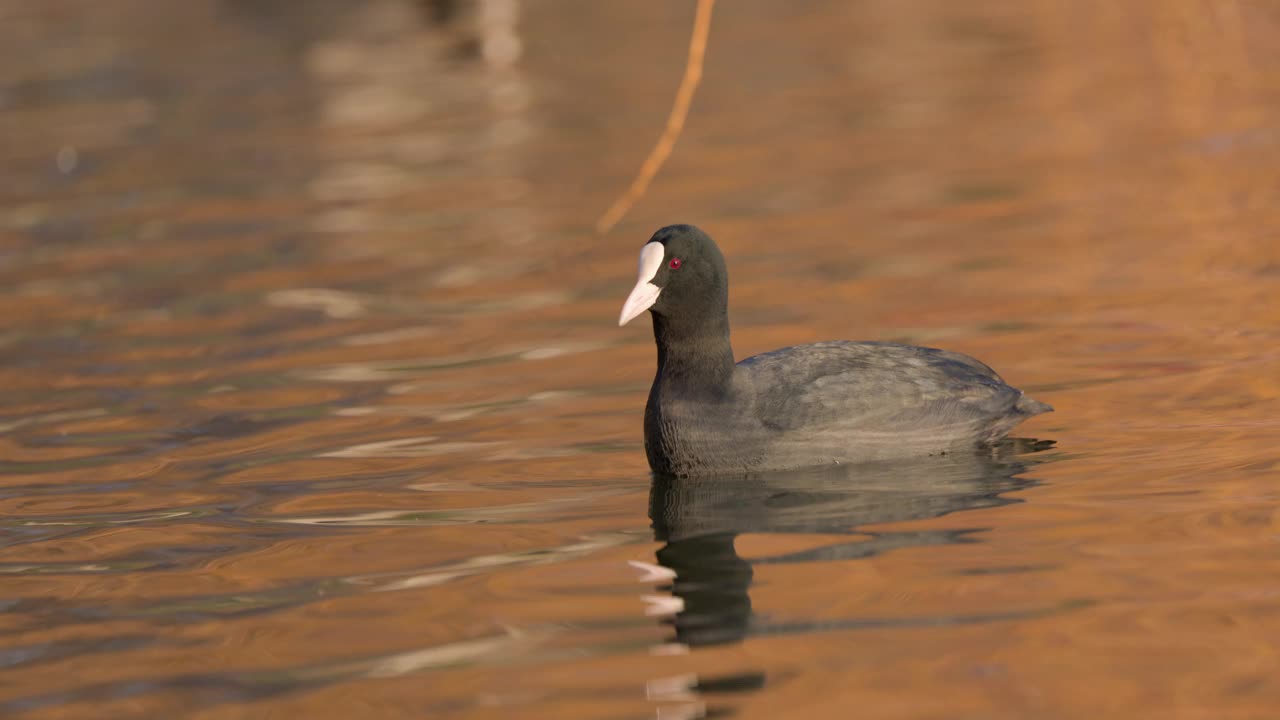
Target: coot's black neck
694, 353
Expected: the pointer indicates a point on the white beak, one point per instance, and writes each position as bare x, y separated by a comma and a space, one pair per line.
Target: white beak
645, 293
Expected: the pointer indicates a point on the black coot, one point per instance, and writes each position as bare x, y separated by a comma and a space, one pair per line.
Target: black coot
808, 405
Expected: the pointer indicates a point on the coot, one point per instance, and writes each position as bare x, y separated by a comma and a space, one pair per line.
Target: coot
808, 405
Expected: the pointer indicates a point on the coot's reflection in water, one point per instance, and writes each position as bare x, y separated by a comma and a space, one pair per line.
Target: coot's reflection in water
699, 519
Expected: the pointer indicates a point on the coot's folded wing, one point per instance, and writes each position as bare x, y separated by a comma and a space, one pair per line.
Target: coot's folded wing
874, 388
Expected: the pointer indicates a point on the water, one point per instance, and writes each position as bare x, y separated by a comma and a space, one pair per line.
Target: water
314, 405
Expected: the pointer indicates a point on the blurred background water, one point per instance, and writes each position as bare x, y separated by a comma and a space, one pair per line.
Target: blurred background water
315, 406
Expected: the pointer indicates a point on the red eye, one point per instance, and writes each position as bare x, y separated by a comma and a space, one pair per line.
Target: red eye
675, 263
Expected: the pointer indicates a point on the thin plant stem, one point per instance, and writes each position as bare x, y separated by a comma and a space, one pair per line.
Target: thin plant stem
675, 121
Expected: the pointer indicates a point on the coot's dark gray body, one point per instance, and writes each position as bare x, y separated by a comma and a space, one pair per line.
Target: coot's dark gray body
825, 403
832, 402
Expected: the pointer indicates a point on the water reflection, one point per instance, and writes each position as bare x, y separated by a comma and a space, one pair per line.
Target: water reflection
699, 519
313, 400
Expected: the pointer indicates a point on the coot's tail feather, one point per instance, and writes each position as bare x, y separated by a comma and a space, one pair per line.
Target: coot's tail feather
1028, 405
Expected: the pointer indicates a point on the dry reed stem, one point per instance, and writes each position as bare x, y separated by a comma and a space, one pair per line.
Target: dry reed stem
675, 121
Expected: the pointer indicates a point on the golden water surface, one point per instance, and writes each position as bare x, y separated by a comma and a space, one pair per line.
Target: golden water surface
314, 404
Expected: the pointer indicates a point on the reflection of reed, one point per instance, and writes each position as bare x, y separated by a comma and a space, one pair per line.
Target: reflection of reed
384, 75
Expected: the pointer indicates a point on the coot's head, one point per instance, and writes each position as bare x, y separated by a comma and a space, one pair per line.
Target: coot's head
682, 276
